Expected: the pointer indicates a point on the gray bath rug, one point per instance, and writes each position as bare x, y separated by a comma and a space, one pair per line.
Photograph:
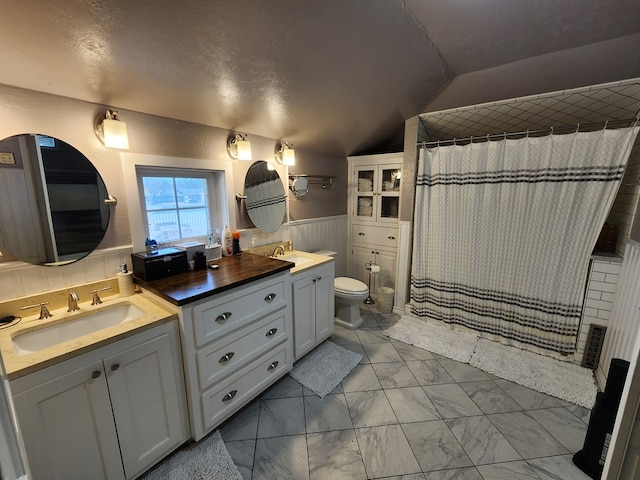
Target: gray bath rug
324, 368
563, 380
437, 339
208, 459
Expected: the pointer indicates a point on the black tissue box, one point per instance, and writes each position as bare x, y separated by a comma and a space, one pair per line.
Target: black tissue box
159, 264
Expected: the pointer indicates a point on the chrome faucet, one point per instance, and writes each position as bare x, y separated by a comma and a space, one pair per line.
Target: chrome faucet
96, 299
72, 302
279, 250
44, 312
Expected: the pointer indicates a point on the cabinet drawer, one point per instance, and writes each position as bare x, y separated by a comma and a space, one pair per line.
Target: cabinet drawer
374, 235
235, 309
223, 400
224, 357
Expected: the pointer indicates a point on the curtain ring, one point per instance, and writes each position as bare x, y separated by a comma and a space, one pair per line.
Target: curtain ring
454, 141
605, 124
551, 131
438, 143
578, 129
636, 124
505, 135
488, 139
527, 133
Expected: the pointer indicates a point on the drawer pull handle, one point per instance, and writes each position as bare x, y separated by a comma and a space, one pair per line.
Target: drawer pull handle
229, 395
95, 374
271, 332
115, 367
223, 317
361, 234
270, 297
226, 357
391, 237
273, 365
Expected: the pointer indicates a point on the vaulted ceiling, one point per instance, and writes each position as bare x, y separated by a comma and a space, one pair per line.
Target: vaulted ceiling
337, 77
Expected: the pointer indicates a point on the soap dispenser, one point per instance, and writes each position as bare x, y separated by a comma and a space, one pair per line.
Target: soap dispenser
125, 281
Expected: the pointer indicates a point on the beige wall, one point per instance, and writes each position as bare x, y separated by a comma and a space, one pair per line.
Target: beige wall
26, 111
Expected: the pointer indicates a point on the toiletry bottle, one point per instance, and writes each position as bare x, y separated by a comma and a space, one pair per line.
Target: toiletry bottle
227, 241
236, 243
125, 281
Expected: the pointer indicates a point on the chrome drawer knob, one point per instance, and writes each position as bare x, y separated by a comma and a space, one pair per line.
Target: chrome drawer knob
273, 365
271, 332
223, 317
95, 374
226, 357
229, 395
270, 297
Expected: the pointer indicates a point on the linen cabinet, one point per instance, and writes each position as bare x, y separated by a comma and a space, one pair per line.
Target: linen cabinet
374, 200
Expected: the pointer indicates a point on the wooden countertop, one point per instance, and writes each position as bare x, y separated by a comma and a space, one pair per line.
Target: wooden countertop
233, 272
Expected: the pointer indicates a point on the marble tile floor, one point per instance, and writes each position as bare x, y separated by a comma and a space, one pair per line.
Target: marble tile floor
405, 414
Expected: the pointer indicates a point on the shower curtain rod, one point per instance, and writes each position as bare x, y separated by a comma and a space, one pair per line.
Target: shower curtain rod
549, 130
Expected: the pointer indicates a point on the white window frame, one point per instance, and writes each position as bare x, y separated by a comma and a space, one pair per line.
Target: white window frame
220, 188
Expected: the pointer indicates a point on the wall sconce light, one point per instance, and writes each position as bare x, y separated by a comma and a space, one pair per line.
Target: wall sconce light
285, 154
239, 147
111, 131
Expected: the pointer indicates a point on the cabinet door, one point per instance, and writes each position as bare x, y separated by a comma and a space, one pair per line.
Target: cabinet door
67, 424
388, 193
325, 303
147, 408
304, 306
359, 257
364, 200
387, 261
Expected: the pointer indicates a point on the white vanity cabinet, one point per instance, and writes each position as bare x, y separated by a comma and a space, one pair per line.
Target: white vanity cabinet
313, 307
235, 344
107, 414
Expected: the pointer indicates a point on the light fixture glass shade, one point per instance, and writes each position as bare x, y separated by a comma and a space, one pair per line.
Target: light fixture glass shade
115, 134
288, 156
244, 149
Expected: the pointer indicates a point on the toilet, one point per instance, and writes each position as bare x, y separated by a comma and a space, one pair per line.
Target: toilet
349, 295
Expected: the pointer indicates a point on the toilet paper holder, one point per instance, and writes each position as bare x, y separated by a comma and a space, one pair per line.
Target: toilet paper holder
373, 269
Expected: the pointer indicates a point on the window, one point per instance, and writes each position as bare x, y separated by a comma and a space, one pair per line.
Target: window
216, 175
177, 203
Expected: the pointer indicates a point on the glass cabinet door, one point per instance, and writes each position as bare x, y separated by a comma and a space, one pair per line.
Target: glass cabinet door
365, 190
376, 194
390, 180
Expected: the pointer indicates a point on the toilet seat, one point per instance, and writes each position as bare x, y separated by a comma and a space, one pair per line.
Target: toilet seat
346, 286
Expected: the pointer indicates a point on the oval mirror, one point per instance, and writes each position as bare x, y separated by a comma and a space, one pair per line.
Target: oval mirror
52, 209
265, 198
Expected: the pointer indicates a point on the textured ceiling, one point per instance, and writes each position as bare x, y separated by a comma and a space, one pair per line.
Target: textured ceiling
332, 76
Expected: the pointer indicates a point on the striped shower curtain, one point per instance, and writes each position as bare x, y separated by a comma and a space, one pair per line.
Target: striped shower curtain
504, 230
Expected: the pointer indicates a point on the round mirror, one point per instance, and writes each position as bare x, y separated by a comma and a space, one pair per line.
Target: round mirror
52, 201
300, 186
265, 198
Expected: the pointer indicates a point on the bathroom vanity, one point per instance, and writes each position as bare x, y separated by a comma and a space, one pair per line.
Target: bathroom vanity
236, 330
194, 349
109, 404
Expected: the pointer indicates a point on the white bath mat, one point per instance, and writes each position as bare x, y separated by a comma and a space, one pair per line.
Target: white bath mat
563, 380
437, 339
208, 459
324, 368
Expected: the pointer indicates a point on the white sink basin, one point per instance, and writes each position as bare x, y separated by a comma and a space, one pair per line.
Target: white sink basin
297, 259
85, 324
